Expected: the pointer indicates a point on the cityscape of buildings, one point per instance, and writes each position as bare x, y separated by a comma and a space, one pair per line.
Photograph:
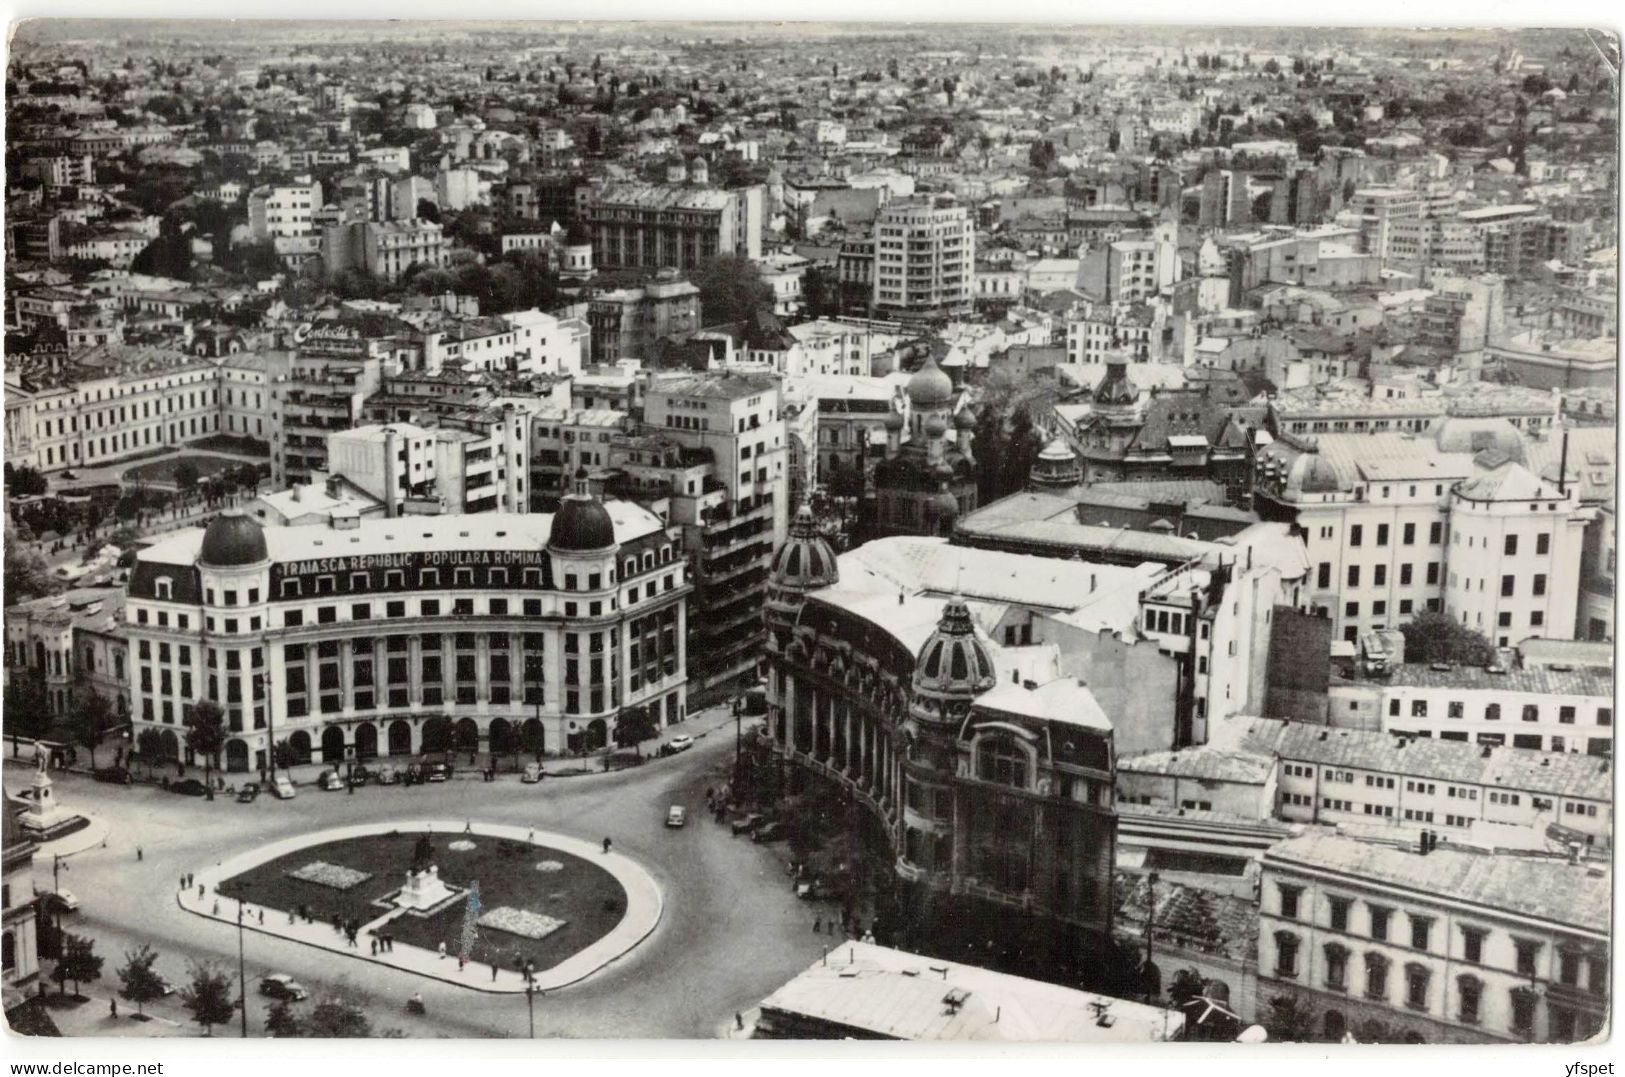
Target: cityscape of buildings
1124, 522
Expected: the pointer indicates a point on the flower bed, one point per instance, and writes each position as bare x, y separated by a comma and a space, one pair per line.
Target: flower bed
332, 876
550, 866
462, 846
521, 922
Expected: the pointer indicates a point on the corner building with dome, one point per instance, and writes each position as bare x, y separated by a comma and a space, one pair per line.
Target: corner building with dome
495, 632
979, 776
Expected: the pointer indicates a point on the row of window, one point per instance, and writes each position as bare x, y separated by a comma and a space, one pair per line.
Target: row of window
1455, 708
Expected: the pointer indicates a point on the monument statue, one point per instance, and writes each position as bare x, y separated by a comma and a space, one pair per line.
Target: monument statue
422, 854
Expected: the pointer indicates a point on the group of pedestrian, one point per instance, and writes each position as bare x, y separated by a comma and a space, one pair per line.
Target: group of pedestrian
350, 929
186, 880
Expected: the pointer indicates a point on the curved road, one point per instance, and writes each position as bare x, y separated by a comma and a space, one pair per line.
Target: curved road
731, 933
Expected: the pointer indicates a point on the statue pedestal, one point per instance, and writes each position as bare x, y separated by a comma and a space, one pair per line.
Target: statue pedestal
423, 890
44, 814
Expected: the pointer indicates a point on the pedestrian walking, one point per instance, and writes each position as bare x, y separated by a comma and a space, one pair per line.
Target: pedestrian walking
739, 1021
200, 889
216, 909
389, 941
468, 827
290, 916
139, 855
113, 1007
442, 951
818, 925
606, 846
493, 972
462, 962
530, 837
373, 945
262, 917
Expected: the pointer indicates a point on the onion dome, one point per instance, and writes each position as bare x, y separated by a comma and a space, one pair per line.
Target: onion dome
234, 538
582, 524
894, 420
954, 662
964, 420
930, 387
943, 510
935, 427
806, 560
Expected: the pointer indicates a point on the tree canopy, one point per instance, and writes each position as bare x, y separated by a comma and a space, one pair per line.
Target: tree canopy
1436, 637
731, 289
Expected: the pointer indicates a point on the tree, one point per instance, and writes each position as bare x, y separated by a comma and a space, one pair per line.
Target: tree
208, 997
27, 573
92, 718
634, 726
79, 962
170, 255
1437, 637
150, 746
24, 481
1290, 1021
186, 476
281, 1022
283, 754
25, 704
731, 290
206, 736
337, 1018
820, 292
142, 983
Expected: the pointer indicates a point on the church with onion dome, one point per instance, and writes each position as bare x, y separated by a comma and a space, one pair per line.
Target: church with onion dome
924, 484
494, 633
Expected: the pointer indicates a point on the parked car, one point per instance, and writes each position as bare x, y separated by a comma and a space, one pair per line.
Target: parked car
746, 823
282, 986
809, 891
436, 772
248, 793
769, 832
63, 899
533, 773
682, 743
360, 776
676, 815
189, 787
283, 787
115, 775
331, 781
386, 776
164, 986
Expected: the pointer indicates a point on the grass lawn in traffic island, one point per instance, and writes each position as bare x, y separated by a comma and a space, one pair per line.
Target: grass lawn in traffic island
537, 903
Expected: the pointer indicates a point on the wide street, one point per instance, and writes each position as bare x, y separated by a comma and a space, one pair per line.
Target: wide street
731, 932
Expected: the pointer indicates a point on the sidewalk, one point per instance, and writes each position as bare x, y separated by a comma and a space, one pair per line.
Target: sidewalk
509, 768
94, 1017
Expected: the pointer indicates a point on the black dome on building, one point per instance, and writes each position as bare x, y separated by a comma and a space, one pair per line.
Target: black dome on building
233, 539
581, 524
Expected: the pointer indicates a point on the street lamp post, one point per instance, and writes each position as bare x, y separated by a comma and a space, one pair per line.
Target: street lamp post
1150, 928
242, 976
56, 893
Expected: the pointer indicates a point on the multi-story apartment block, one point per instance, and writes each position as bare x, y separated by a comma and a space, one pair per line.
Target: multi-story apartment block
736, 517
1425, 944
645, 226
1378, 208
925, 258
386, 249
1132, 269
626, 322
284, 211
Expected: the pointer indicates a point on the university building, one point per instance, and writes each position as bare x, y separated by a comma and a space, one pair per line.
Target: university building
984, 774
495, 632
